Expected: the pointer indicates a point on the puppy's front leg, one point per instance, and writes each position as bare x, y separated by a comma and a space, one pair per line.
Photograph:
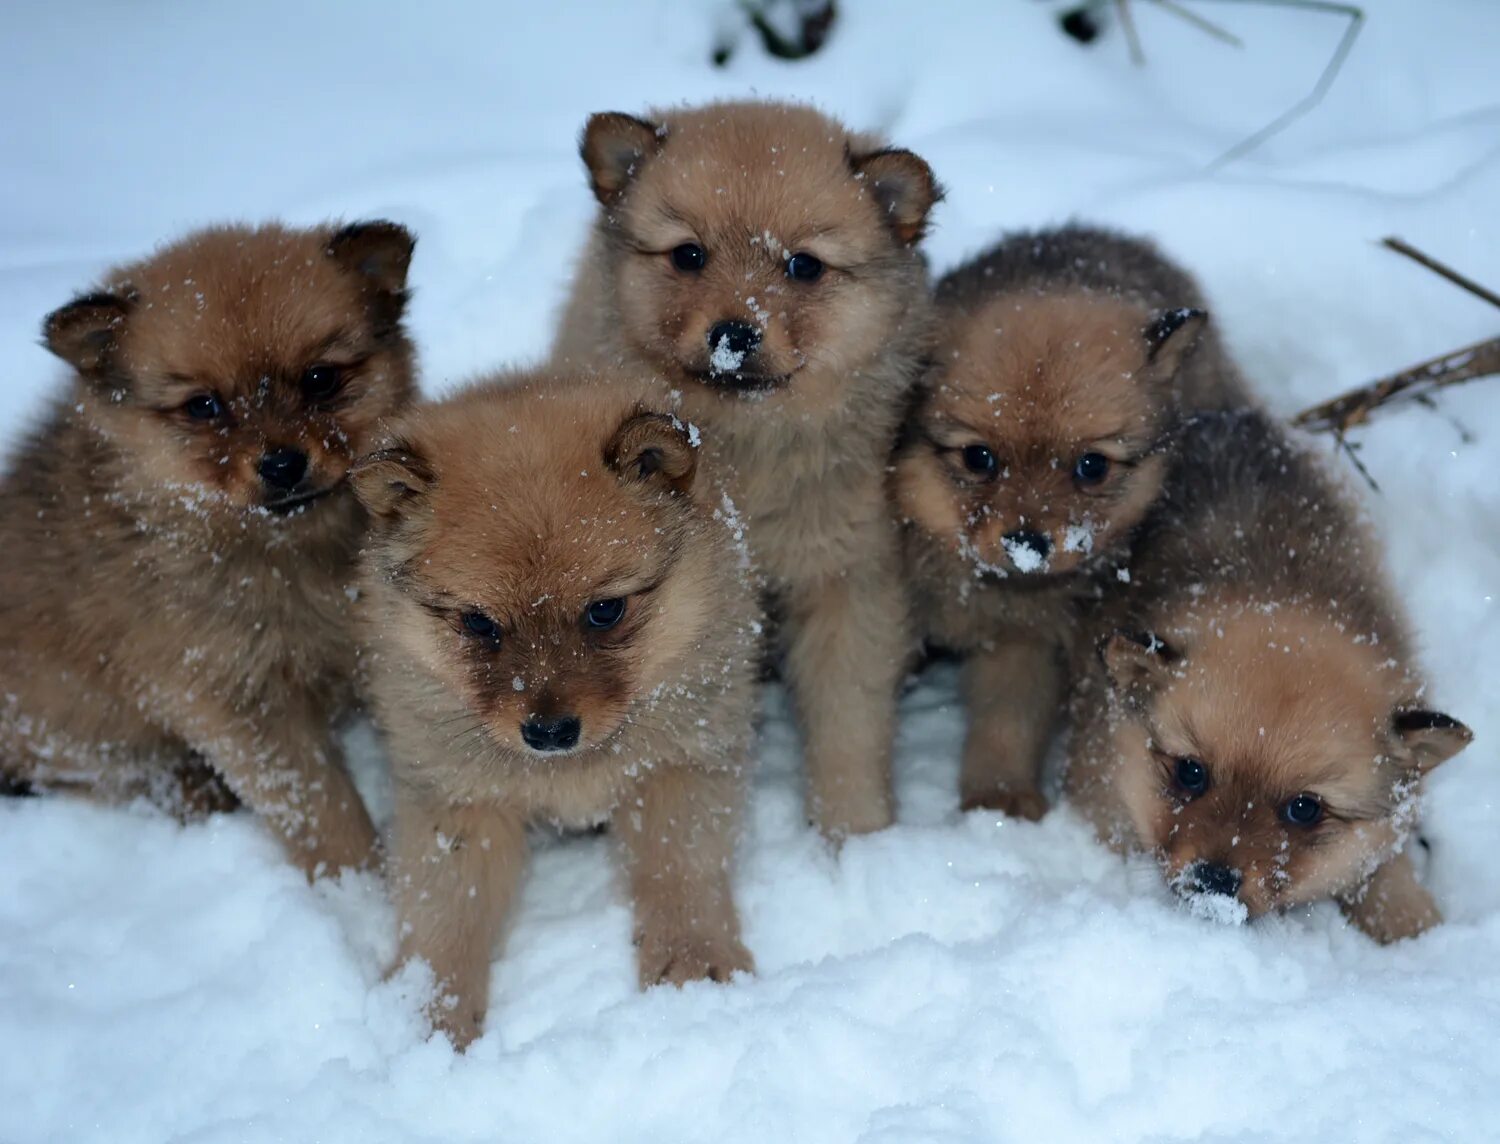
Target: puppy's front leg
677, 826
1013, 692
454, 874
847, 642
289, 769
1392, 905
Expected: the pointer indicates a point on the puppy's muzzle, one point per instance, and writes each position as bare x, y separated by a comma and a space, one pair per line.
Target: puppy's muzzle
549, 735
1212, 878
731, 343
283, 469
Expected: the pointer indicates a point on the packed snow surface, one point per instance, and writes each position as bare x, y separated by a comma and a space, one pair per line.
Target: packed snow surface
959, 977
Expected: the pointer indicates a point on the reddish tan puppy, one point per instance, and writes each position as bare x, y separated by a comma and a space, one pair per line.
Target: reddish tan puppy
561, 631
1040, 439
181, 543
1256, 720
764, 260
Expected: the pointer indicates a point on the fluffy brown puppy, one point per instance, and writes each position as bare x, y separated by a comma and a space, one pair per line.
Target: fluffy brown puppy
764, 260
1040, 439
173, 608
560, 631
1255, 720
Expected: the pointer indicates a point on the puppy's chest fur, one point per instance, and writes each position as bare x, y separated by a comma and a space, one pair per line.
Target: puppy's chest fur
806, 490
959, 609
146, 592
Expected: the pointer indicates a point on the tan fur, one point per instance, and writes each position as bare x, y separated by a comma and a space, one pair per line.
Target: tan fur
801, 430
155, 615
1278, 662
526, 498
1049, 348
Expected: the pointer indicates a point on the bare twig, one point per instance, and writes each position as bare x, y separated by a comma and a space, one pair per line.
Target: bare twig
1356, 18
1132, 37
1417, 383
1351, 409
1352, 452
1401, 246
1224, 35
1078, 22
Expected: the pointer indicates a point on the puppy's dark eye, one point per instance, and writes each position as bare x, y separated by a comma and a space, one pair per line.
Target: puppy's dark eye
603, 614
320, 382
203, 407
481, 627
689, 257
1192, 776
804, 267
1091, 468
980, 459
1304, 810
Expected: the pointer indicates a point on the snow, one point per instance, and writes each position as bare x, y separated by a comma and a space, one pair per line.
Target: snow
1023, 555
959, 977
725, 359
1079, 537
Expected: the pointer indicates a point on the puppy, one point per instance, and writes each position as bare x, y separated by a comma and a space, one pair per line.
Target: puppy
560, 631
1255, 720
182, 544
1039, 440
764, 260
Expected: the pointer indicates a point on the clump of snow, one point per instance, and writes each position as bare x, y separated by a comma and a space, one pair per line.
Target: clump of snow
1220, 908
1079, 537
959, 977
1223, 909
1023, 556
694, 434
725, 359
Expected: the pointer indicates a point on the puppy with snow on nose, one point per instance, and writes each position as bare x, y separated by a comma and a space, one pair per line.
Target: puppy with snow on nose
1254, 718
180, 541
1039, 440
560, 630
764, 260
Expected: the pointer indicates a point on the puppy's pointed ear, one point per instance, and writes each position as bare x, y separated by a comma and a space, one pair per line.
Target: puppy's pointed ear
654, 449
390, 482
1430, 737
1138, 663
613, 146
904, 187
1169, 336
377, 250
85, 333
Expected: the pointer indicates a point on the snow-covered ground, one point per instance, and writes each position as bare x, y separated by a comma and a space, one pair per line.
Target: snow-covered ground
957, 978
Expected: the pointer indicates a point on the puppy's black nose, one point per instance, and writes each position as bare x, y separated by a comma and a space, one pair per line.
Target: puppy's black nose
1038, 542
1211, 878
735, 339
283, 468
551, 734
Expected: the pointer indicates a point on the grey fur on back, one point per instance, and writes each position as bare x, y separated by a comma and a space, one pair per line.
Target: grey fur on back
1249, 508
1074, 257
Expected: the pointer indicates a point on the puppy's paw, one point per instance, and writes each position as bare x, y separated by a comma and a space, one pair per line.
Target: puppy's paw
462, 1026
1393, 919
201, 791
676, 959
1393, 905
850, 818
1013, 802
